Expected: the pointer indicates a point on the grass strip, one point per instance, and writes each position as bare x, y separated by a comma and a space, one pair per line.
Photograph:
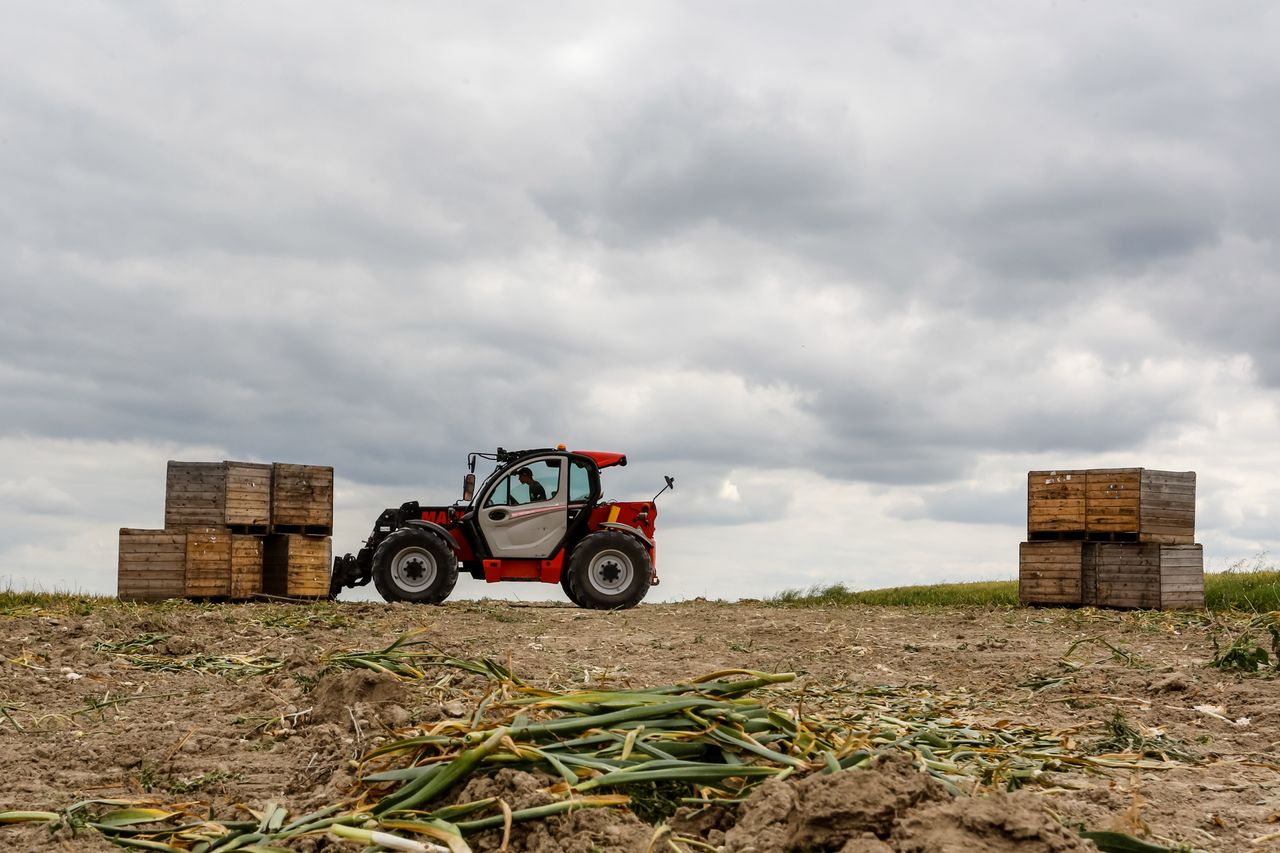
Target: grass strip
1255, 589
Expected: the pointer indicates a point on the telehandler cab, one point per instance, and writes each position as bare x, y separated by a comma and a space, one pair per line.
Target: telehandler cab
539, 516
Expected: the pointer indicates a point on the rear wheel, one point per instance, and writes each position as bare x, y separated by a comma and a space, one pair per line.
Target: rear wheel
414, 565
609, 570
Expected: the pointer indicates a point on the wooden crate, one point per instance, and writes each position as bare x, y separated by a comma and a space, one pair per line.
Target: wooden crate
208, 553
1167, 510
1157, 506
1050, 573
1112, 505
297, 566
302, 499
222, 564
152, 564
1055, 502
1144, 575
218, 494
1113, 497
246, 566
1181, 577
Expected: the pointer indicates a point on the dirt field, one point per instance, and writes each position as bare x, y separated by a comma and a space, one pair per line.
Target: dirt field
91, 711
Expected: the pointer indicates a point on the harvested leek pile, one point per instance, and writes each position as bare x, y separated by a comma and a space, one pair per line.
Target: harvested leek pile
133, 652
711, 739
233, 666
409, 659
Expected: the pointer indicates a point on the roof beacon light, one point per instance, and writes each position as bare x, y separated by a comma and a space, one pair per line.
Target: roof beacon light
559, 447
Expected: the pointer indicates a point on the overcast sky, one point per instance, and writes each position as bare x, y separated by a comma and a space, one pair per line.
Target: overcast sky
847, 271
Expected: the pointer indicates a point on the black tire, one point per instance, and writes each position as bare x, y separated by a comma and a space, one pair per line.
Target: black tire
568, 588
609, 570
414, 565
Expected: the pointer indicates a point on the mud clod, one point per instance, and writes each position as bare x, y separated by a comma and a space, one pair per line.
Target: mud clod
1002, 823
358, 694
892, 808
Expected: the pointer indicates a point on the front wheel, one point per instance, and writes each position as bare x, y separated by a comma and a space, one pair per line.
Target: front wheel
609, 570
414, 565
568, 588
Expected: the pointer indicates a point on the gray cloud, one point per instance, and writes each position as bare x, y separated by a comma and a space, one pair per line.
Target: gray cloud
967, 505
1073, 222
830, 245
700, 154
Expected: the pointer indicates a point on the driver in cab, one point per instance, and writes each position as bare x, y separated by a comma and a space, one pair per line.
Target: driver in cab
536, 491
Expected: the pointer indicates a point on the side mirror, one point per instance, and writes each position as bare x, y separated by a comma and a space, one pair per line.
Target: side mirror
671, 484
468, 487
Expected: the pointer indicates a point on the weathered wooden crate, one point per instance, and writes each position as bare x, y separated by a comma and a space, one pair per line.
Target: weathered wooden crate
208, 553
1159, 506
1112, 505
302, 499
222, 564
1143, 575
152, 564
1050, 573
246, 566
1181, 577
1055, 502
296, 565
218, 494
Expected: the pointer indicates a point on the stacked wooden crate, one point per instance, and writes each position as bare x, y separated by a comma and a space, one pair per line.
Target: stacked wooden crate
302, 499
1112, 537
298, 555
231, 533
297, 565
153, 564
235, 495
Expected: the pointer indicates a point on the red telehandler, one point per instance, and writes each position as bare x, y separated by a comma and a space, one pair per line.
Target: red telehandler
539, 516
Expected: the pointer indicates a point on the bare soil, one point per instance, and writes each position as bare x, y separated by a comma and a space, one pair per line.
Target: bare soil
81, 721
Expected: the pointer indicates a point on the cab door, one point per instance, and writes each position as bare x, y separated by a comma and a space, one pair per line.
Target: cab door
515, 525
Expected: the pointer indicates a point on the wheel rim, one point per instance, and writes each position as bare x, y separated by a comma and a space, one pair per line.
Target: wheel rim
610, 572
413, 569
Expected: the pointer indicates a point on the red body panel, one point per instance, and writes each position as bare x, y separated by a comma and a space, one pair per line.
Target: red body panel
440, 515
640, 515
604, 458
625, 512
546, 571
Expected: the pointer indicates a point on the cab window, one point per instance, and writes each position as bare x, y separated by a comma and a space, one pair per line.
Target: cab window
501, 494
579, 482
528, 484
